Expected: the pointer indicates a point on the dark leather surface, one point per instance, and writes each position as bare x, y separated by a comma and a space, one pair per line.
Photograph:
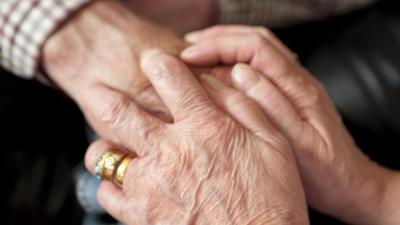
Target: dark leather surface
42, 138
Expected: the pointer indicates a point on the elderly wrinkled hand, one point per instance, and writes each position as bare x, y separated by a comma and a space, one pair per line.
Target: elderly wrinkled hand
99, 49
204, 168
338, 179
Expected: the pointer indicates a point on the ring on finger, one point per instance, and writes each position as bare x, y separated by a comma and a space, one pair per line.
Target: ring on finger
121, 170
107, 163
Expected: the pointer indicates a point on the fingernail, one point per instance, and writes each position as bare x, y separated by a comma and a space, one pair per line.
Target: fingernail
189, 52
192, 36
212, 82
244, 76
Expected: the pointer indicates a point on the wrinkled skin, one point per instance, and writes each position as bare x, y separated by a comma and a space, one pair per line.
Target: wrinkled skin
204, 168
101, 46
338, 178
98, 51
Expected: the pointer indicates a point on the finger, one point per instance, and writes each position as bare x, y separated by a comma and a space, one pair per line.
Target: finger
109, 196
122, 203
135, 169
175, 84
240, 107
115, 116
226, 48
94, 152
209, 33
302, 89
113, 200
273, 102
222, 72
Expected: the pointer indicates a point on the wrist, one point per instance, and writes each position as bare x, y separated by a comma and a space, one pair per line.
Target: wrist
99, 31
78, 35
390, 212
367, 202
102, 44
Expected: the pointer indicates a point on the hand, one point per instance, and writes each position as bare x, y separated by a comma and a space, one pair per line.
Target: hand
339, 180
204, 168
181, 16
98, 49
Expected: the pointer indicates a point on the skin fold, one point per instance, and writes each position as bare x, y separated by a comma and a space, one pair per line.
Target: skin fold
206, 167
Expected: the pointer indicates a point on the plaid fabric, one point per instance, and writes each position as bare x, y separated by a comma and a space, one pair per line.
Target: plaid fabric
24, 27
274, 13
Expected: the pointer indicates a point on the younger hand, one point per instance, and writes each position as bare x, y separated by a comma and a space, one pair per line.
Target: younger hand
339, 180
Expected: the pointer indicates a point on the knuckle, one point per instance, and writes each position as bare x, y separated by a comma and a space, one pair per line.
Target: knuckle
194, 106
151, 132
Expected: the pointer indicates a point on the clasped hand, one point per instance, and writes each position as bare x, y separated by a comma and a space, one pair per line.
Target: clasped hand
227, 156
211, 152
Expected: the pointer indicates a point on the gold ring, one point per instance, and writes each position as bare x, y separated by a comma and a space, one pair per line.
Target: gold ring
121, 170
107, 163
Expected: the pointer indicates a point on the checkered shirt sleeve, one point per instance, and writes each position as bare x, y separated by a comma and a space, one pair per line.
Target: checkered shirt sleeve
25, 26
277, 13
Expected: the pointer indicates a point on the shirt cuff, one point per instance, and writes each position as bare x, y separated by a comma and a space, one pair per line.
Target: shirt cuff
278, 13
25, 26
242, 12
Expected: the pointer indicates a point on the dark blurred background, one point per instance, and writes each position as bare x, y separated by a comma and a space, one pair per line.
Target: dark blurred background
43, 137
